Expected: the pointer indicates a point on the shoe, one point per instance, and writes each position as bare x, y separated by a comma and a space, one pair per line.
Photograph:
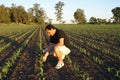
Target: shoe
59, 65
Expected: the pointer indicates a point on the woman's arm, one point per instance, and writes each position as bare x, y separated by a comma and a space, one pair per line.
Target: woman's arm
48, 47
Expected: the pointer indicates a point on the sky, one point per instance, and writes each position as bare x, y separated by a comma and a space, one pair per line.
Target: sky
92, 8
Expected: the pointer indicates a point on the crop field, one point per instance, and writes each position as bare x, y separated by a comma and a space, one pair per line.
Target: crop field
95, 53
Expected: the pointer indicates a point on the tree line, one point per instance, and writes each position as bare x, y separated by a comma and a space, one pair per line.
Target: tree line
80, 17
18, 14
36, 14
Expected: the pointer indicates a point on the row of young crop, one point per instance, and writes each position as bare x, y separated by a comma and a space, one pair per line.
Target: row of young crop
100, 44
13, 39
80, 45
103, 36
41, 72
6, 67
105, 43
103, 49
113, 70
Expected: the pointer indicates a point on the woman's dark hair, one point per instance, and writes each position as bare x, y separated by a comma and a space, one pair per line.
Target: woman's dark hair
49, 27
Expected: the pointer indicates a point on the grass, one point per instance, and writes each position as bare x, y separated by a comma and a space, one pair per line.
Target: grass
13, 29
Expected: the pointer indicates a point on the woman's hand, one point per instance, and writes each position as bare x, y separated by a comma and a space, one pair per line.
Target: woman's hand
45, 57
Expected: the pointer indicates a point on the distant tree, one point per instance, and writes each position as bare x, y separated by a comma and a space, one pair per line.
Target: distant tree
72, 21
22, 15
4, 14
79, 16
42, 16
18, 14
30, 15
99, 20
7, 15
39, 14
50, 21
109, 21
92, 20
58, 8
116, 14
63, 22
36, 12
104, 21
14, 14
2, 10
